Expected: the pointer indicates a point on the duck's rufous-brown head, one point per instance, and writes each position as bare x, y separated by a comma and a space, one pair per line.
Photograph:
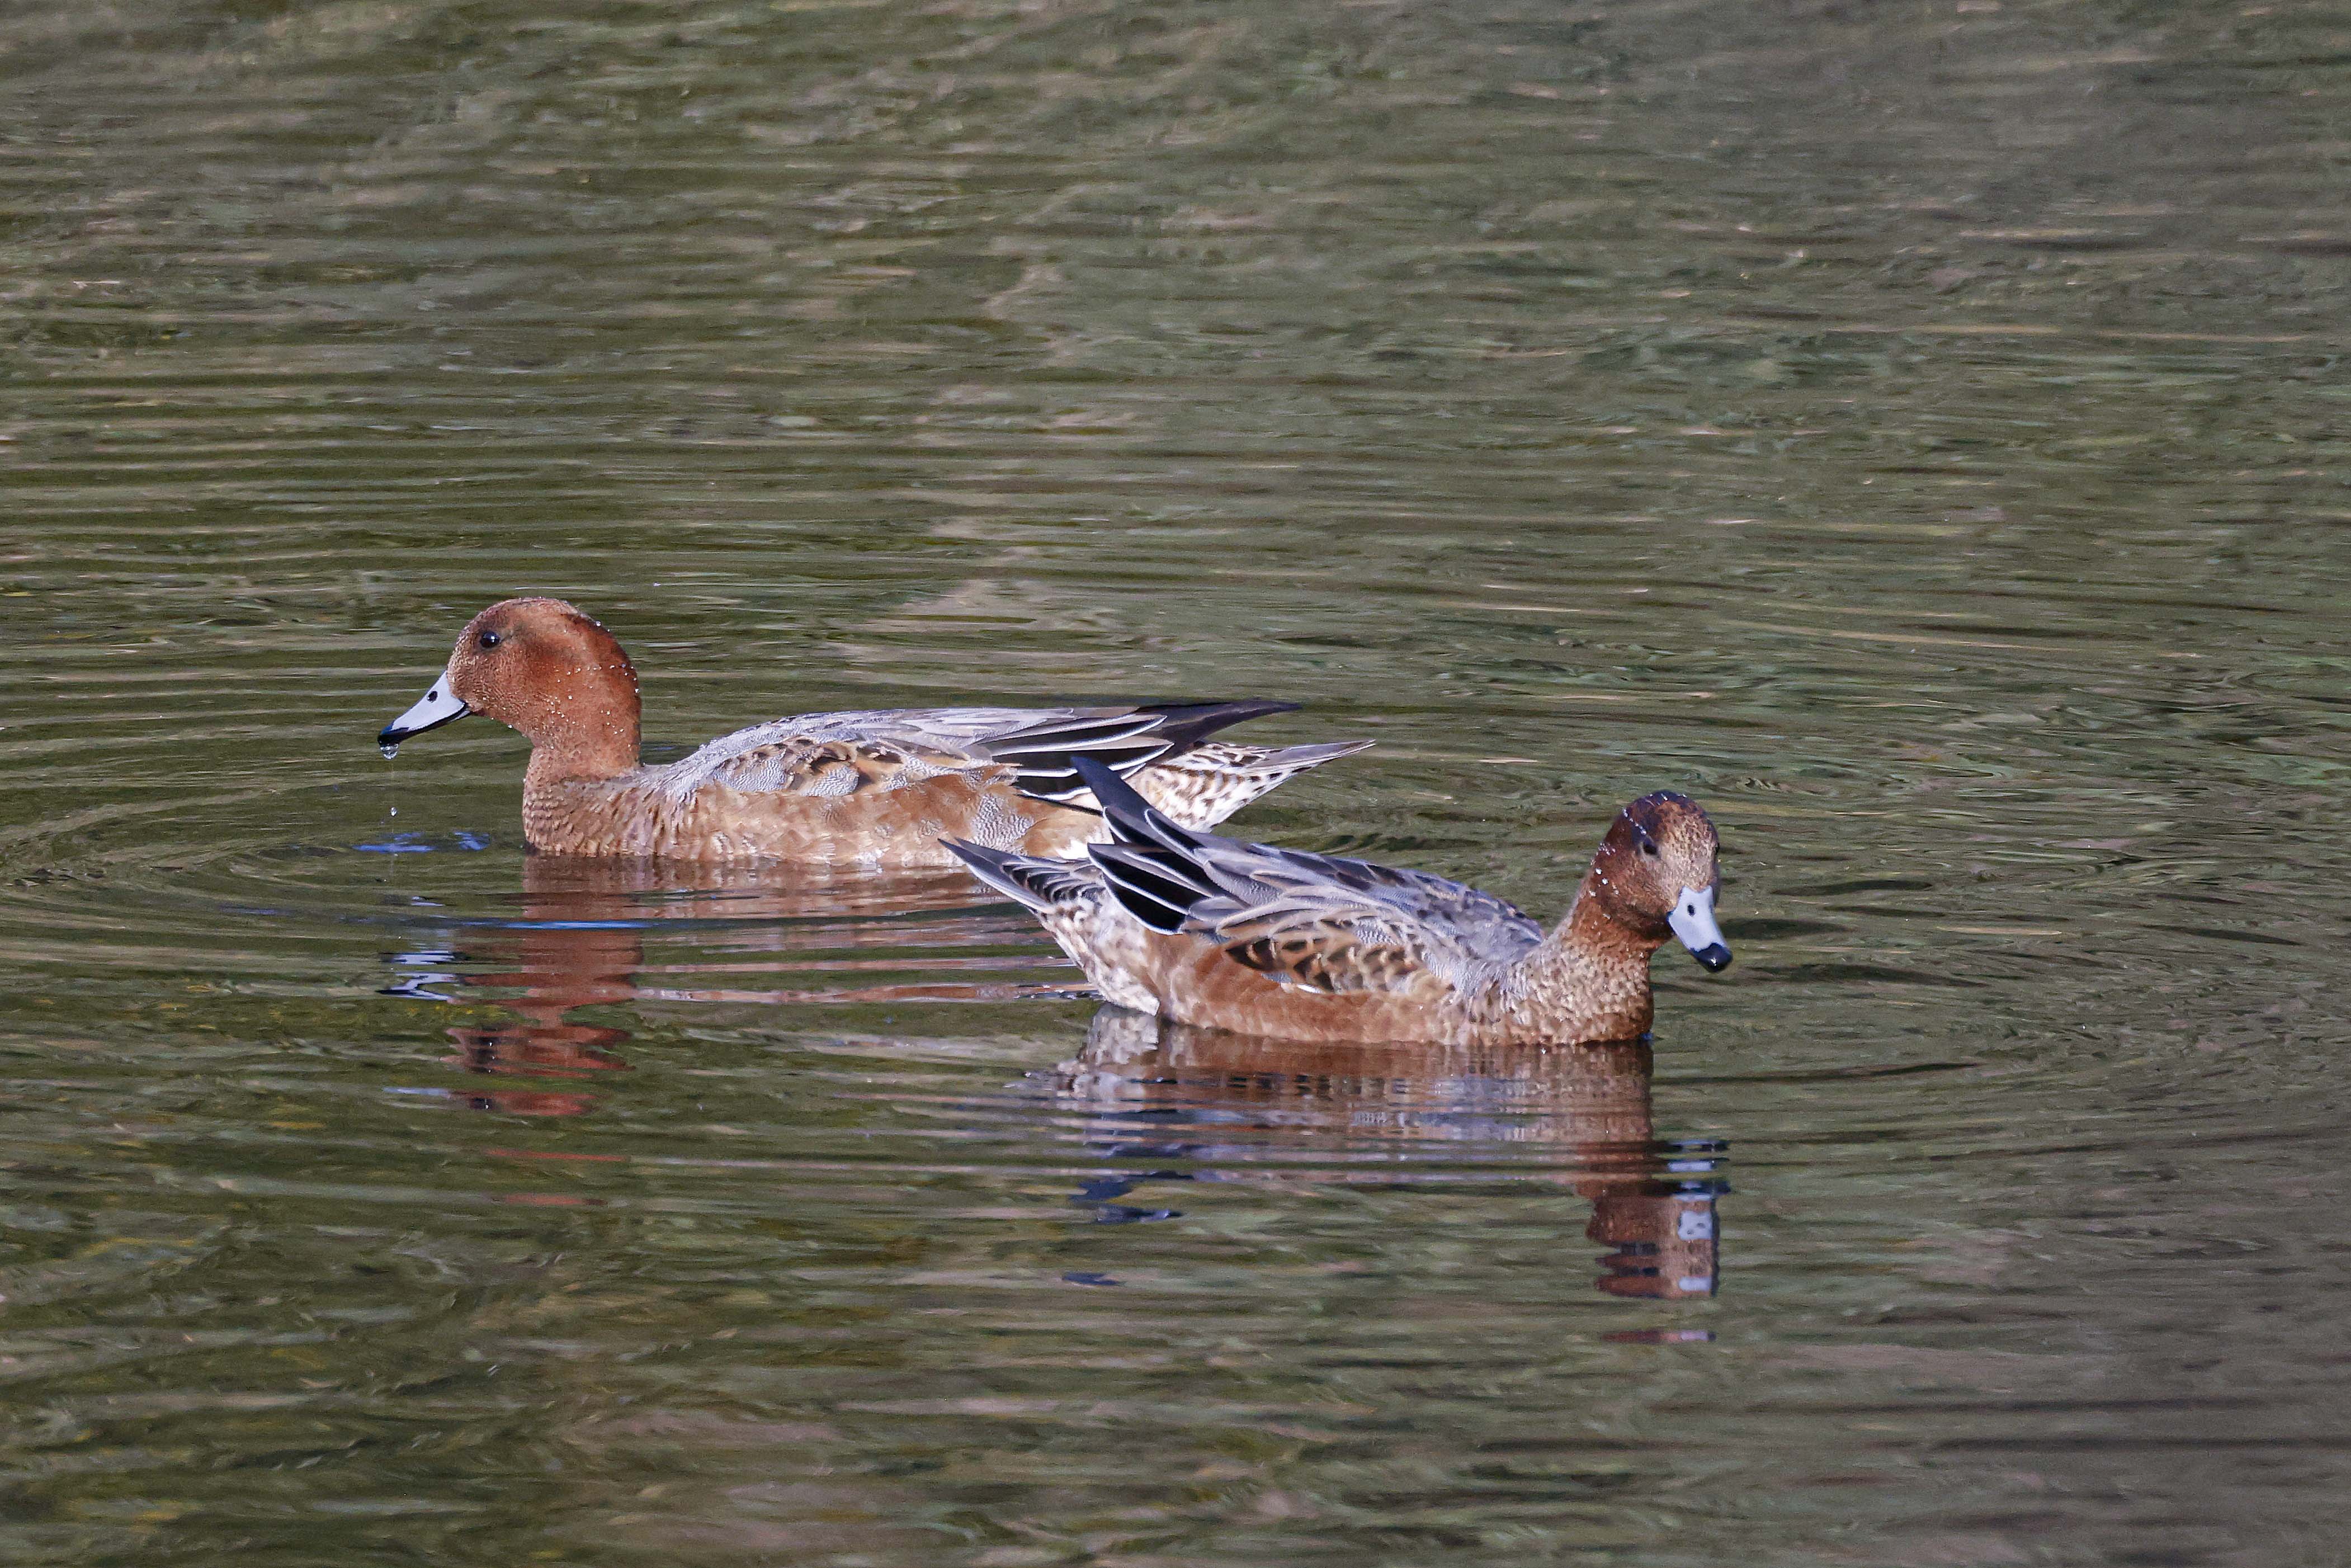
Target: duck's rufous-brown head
548, 670
1656, 876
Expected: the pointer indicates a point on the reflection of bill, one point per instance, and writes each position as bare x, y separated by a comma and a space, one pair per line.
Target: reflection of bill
1239, 1100
1663, 1242
578, 941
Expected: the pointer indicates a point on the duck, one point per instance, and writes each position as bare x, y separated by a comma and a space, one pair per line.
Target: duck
1212, 932
874, 790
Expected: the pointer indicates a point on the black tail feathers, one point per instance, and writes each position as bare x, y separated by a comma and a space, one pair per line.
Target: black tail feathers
1152, 865
1183, 725
1133, 818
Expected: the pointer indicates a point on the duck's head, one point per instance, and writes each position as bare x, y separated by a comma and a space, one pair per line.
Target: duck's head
1656, 871
548, 669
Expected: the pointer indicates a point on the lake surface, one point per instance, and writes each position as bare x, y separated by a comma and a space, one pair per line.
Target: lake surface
1918, 432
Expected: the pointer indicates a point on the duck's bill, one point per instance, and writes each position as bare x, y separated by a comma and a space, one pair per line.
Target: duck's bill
1693, 922
433, 709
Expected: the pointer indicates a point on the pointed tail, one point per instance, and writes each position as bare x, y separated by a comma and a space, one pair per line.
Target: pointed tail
995, 868
1034, 882
1202, 787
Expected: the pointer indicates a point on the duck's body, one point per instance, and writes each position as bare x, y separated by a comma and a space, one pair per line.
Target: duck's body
882, 789
1212, 931
877, 790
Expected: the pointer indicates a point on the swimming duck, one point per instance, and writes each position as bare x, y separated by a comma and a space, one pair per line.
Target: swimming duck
868, 789
1204, 930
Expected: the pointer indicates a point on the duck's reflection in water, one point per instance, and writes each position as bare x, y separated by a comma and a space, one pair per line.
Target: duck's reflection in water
1242, 1107
578, 941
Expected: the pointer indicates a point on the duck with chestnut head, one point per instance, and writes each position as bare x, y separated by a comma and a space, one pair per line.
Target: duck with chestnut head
875, 789
1211, 931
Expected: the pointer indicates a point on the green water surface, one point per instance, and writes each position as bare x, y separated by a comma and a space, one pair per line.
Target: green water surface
1917, 431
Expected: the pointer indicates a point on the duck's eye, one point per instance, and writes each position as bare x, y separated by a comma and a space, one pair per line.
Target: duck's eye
491, 639
1649, 847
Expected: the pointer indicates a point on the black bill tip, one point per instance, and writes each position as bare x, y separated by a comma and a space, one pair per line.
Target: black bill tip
1716, 957
431, 711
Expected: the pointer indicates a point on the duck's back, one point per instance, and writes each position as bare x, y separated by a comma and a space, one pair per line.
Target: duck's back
882, 786
801, 755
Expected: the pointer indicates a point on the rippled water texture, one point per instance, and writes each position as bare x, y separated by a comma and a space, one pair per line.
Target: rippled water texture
1917, 431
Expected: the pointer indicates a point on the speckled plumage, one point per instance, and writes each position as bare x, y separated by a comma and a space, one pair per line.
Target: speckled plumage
875, 789
1213, 931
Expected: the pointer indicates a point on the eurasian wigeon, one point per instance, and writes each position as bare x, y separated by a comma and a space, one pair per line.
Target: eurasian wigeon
1204, 930
878, 789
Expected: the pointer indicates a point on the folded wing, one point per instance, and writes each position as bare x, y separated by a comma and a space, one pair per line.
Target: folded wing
835, 754
1317, 920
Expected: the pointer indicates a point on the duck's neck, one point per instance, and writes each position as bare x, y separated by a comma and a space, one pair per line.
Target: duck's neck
1590, 977
586, 727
